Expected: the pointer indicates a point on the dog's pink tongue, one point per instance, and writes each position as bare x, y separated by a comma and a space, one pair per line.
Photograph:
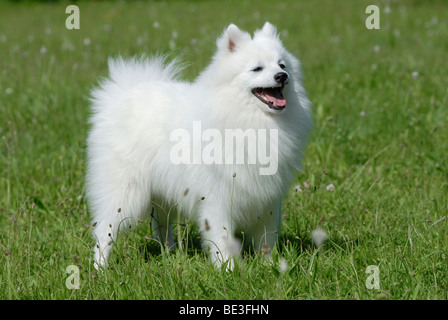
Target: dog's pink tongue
276, 98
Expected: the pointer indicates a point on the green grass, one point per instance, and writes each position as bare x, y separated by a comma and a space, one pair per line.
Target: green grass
380, 138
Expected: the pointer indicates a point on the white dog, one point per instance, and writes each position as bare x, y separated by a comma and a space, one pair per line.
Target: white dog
157, 141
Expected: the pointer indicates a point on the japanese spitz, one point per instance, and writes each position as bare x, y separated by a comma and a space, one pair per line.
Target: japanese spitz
222, 150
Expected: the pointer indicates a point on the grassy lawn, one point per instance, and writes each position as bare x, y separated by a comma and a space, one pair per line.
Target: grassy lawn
375, 172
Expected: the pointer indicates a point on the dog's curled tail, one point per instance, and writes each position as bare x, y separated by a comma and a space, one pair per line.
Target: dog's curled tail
126, 74
131, 72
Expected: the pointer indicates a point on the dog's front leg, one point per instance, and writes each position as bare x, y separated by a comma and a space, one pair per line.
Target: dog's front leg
218, 238
267, 229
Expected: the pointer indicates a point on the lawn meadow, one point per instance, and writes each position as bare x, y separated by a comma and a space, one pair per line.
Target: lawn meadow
374, 177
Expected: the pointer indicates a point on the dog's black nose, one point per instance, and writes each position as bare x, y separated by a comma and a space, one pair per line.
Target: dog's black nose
281, 77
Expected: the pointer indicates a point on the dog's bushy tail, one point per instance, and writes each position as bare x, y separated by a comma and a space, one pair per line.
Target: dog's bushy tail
131, 72
126, 74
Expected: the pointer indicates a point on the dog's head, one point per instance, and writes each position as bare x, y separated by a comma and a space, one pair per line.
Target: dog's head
260, 65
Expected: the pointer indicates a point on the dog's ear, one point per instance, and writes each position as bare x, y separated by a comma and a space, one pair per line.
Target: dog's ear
232, 38
268, 30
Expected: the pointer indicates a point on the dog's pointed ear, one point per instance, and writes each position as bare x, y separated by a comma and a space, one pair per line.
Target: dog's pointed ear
268, 30
232, 38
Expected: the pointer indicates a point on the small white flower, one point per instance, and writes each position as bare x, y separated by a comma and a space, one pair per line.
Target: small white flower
43, 50
415, 74
86, 41
335, 39
376, 48
139, 41
387, 10
283, 265
8, 91
68, 46
362, 113
156, 25
330, 187
319, 236
298, 189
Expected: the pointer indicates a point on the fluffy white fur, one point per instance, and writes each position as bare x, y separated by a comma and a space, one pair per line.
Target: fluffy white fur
130, 173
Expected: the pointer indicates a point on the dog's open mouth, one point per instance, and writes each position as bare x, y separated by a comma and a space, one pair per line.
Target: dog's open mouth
273, 97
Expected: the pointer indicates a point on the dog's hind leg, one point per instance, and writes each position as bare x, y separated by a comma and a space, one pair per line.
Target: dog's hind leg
118, 212
105, 234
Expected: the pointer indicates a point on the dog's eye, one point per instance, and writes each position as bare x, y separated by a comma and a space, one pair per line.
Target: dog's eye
257, 69
282, 65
